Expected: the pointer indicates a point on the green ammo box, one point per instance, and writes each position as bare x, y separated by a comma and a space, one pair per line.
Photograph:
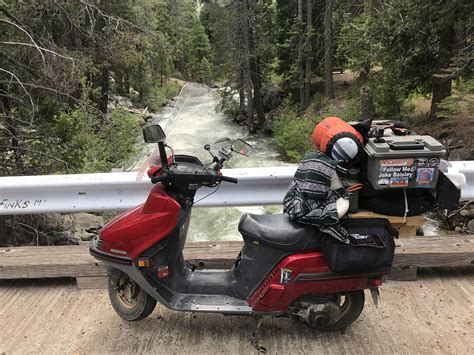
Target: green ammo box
403, 161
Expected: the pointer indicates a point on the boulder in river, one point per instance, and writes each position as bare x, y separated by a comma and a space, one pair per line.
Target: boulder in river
272, 97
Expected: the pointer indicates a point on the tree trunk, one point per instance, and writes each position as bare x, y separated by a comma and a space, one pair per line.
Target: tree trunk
104, 89
328, 49
308, 52
257, 96
366, 103
441, 90
255, 70
241, 92
300, 55
443, 80
245, 22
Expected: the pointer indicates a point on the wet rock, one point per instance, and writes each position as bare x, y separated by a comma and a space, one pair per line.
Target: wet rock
86, 237
87, 225
272, 97
117, 100
64, 238
267, 126
470, 226
241, 118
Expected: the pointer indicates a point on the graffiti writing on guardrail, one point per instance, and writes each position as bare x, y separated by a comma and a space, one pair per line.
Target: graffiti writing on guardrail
20, 204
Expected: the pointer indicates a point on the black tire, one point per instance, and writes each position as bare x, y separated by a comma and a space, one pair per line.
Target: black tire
350, 311
128, 299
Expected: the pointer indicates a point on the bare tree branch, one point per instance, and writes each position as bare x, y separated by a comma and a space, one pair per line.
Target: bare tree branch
42, 49
26, 91
27, 33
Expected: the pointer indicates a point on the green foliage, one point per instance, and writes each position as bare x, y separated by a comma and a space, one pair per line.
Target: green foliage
291, 132
461, 103
158, 95
89, 146
388, 94
54, 101
230, 106
403, 44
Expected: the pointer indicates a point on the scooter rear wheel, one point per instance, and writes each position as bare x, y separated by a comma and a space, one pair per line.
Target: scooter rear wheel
128, 299
350, 306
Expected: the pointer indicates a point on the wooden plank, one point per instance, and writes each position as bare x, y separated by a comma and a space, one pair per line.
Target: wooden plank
410, 221
75, 261
435, 251
92, 282
405, 231
405, 274
48, 262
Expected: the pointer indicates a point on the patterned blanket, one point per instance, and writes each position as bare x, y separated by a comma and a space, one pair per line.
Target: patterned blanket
311, 198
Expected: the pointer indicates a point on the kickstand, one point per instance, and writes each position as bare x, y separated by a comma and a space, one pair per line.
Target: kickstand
255, 337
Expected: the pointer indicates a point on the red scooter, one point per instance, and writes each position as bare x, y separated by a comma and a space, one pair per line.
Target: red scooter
280, 270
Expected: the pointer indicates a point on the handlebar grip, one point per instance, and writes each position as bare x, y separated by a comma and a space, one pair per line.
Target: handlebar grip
160, 178
229, 179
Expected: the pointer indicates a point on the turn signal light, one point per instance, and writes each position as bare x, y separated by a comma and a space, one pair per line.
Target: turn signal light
144, 263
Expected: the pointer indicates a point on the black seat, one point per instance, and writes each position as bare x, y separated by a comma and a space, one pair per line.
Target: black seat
277, 230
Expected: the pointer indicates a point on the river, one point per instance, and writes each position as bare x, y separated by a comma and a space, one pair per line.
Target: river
195, 120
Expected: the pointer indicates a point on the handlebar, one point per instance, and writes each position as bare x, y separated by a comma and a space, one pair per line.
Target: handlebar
156, 179
228, 179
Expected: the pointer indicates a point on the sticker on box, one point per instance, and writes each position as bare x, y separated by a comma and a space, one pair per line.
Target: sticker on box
396, 162
421, 161
399, 182
425, 176
433, 162
397, 171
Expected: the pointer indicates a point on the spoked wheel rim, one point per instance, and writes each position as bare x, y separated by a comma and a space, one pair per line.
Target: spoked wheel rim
127, 291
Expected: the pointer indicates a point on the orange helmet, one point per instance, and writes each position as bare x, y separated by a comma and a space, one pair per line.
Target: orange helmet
338, 139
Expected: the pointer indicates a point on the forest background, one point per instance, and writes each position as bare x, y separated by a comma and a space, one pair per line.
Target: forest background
281, 65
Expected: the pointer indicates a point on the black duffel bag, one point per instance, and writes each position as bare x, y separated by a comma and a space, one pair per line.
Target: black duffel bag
371, 248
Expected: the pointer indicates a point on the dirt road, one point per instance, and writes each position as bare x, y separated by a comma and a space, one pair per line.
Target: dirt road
432, 315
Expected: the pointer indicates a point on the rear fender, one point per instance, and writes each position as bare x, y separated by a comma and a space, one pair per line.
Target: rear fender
305, 274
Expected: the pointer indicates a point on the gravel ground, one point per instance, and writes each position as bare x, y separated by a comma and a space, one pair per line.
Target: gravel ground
432, 315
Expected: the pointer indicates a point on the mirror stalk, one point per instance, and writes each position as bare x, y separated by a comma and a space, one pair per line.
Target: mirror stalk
163, 157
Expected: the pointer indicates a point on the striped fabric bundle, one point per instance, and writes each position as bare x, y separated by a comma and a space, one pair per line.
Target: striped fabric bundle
310, 198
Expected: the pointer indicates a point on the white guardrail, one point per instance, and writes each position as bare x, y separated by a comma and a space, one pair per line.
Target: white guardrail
121, 191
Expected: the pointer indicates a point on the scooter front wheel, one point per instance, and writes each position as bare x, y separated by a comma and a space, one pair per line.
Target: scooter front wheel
128, 299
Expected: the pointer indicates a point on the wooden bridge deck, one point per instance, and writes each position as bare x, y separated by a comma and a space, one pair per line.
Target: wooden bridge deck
75, 261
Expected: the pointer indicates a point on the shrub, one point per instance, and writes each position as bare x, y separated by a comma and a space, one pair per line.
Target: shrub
158, 95
89, 143
291, 133
461, 102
